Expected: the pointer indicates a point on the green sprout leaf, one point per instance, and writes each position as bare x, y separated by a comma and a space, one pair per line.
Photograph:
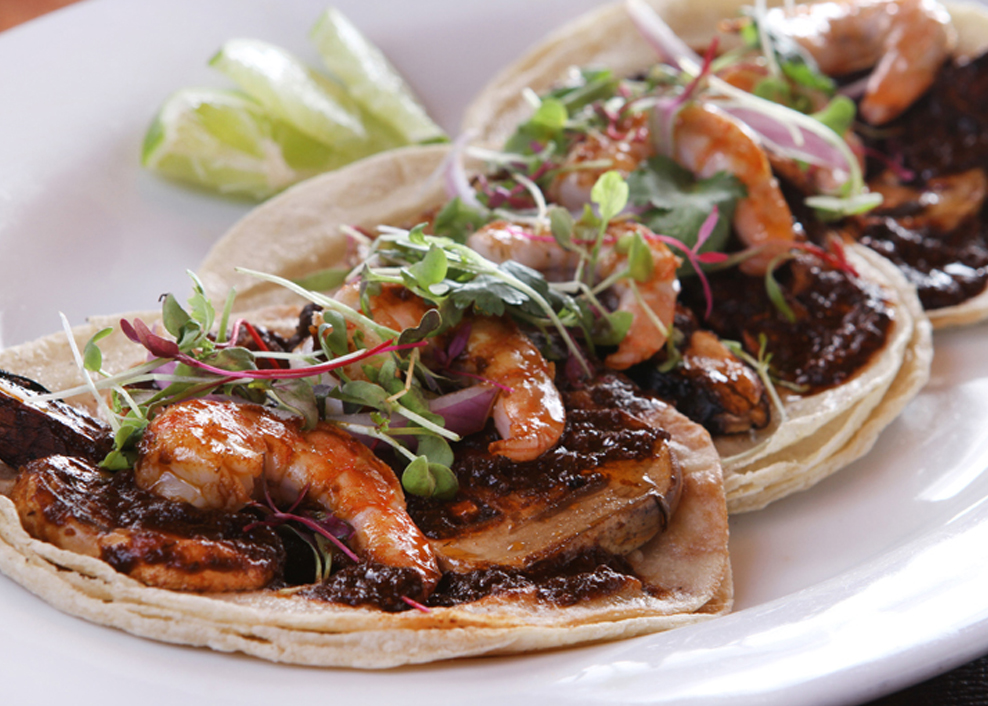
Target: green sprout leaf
92, 356
457, 221
323, 280
561, 223
436, 449
676, 204
174, 317
429, 480
610, 330
430, 323
838, 114
610, 194
429, 270
640, 264
551, 115
774, 290
332, 333
417, 478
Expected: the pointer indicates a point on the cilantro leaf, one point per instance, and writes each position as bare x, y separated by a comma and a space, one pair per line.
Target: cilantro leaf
457, 221
676, 203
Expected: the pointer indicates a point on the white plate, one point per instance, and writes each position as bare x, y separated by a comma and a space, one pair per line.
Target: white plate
872, 580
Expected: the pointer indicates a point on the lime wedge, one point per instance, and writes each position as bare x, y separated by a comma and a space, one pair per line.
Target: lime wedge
371, 79
293, 92
227, 142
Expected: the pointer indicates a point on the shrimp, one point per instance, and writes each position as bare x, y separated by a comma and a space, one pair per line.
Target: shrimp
500, 241
652, 308
707, 141
394, 306
529, 413
652, 303
621, 148
906, 41
221, 455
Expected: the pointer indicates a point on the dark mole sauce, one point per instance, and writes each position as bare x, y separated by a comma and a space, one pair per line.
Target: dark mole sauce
600, 428
80, 491
944, 133
946, 268
841, 321
367, 584
562, 582
592, 437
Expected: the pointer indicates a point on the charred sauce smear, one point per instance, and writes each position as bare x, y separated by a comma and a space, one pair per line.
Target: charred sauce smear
841, 321
944, 134
591, 438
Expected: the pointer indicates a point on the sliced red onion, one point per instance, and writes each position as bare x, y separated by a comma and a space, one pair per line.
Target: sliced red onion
660, 36
466, 411
457, 182
790, 140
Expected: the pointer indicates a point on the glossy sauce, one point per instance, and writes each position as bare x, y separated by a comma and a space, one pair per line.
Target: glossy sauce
69, 490
841, 321
592, 438
944, 133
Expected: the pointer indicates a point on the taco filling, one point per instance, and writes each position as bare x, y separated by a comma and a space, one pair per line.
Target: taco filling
407, 448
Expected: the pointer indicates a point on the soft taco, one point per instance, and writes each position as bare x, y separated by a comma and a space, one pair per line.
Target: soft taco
225, 505
606, 101
924, 136
858, 351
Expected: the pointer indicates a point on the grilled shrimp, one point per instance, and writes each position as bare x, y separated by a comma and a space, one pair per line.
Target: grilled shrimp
221, 455
705, 141
906, 41
70, 503
529, 413
652, 303
394, 306
708, 141
653, 307
621, 148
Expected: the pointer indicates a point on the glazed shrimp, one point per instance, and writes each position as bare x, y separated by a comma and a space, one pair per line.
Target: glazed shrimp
500, 241
652, 308
394, 306
652, 303
623, 148
707, 141
905, 40
222, 455
529, 413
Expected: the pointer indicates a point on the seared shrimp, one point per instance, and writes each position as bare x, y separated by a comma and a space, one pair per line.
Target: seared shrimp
621, 148
70, 503
652, 303
500, 241
653, 307
529, 413
707, 141
394, 306
221, 455
905, 40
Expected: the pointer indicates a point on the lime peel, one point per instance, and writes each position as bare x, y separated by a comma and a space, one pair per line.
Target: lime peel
371, 79
225, 141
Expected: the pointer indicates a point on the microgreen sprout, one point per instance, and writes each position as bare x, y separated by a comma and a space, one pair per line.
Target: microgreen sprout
762, 366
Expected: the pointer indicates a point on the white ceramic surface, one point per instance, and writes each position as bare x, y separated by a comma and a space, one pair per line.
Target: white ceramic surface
874, 579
